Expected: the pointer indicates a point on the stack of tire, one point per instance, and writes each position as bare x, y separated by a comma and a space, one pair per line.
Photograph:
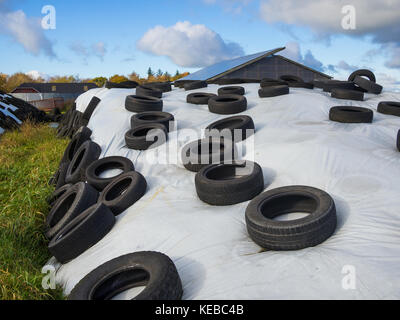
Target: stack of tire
85, 203
149, 126
273, 88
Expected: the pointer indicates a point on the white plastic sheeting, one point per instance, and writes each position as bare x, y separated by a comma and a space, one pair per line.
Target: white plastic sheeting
295, 144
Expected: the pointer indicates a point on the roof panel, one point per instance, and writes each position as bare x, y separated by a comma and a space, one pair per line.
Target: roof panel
223, 66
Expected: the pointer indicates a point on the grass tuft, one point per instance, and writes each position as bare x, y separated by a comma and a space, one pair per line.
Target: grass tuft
28, 158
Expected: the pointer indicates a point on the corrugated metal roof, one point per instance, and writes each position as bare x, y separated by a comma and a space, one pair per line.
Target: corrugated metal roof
222, 67
59, 87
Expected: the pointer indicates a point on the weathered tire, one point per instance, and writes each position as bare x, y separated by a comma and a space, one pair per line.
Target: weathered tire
72, 203
239, 127
329, 85
398, 141
60, 176
268, 92
222, 185
80, 137
363, 73
195, 85
58, 194
148, 91
123, 192
389, 107
347, 94
122, 85
290, 78
90, 108
295, 234
305, 85
150, 117
151, 269
82, 233
142, 104
83, 158
231, 90
368, 85
346, 114
227, 104
199, 98
163, 86
265, 83
146, 136
201, 153
94, 171
319, 83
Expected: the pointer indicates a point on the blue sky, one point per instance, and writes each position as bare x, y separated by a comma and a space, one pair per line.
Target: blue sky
102, 38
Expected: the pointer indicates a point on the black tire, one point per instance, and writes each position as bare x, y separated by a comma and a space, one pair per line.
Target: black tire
265, 83
195, 85
124, 192
290, 78
337, 84
82, 233
398, 141
145, 118
80, 137
58, 194
163, 86
227, 104
305, 85
368, 85
83, 158
122, 85
151, 269
231, 90
346, 114
73, 202
181, 83
347, 94
199, 98
363, 73
268, 92
389, 107
94, 171
223, 82
222, 185
90, 108
320, 83
142, 104
201, 153
148, 91
295, 234
238, 124
146, 136
60, 176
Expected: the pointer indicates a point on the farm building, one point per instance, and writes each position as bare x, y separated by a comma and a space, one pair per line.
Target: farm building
43, 91
257, 66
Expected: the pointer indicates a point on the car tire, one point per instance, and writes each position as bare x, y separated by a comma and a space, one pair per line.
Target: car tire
390, 108
83, 158
274, 91
347, 94
195, 85
368, 85
227, 104
237, 124
58, 194
94, 171
298, 234
347, 114
362, 73
221, 185
90, 108
142, 104
80, 137
151, 269
148, 91
232, 90
72, 203
199, 98
147, 136
150, 117
124, 192
82, 233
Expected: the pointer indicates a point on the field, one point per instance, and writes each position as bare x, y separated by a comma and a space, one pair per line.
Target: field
28, 158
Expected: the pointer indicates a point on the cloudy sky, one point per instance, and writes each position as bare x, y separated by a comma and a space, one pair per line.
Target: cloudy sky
102, 37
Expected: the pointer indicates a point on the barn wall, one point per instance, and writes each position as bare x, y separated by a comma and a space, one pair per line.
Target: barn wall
273, 67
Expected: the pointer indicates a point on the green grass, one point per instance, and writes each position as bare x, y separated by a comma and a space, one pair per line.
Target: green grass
28, 158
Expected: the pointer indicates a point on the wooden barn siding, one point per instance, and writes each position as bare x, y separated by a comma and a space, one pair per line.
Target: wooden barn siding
273, 67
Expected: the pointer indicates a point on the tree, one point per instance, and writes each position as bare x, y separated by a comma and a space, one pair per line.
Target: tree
99, 81
3, 81
64, 79
159, 73
16, 80
150, 73
135, 77
118, 78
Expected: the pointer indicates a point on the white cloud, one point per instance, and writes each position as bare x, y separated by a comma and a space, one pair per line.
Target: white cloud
35, 75
187, 45
26, 31
293, 52
98, 49
378, 20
